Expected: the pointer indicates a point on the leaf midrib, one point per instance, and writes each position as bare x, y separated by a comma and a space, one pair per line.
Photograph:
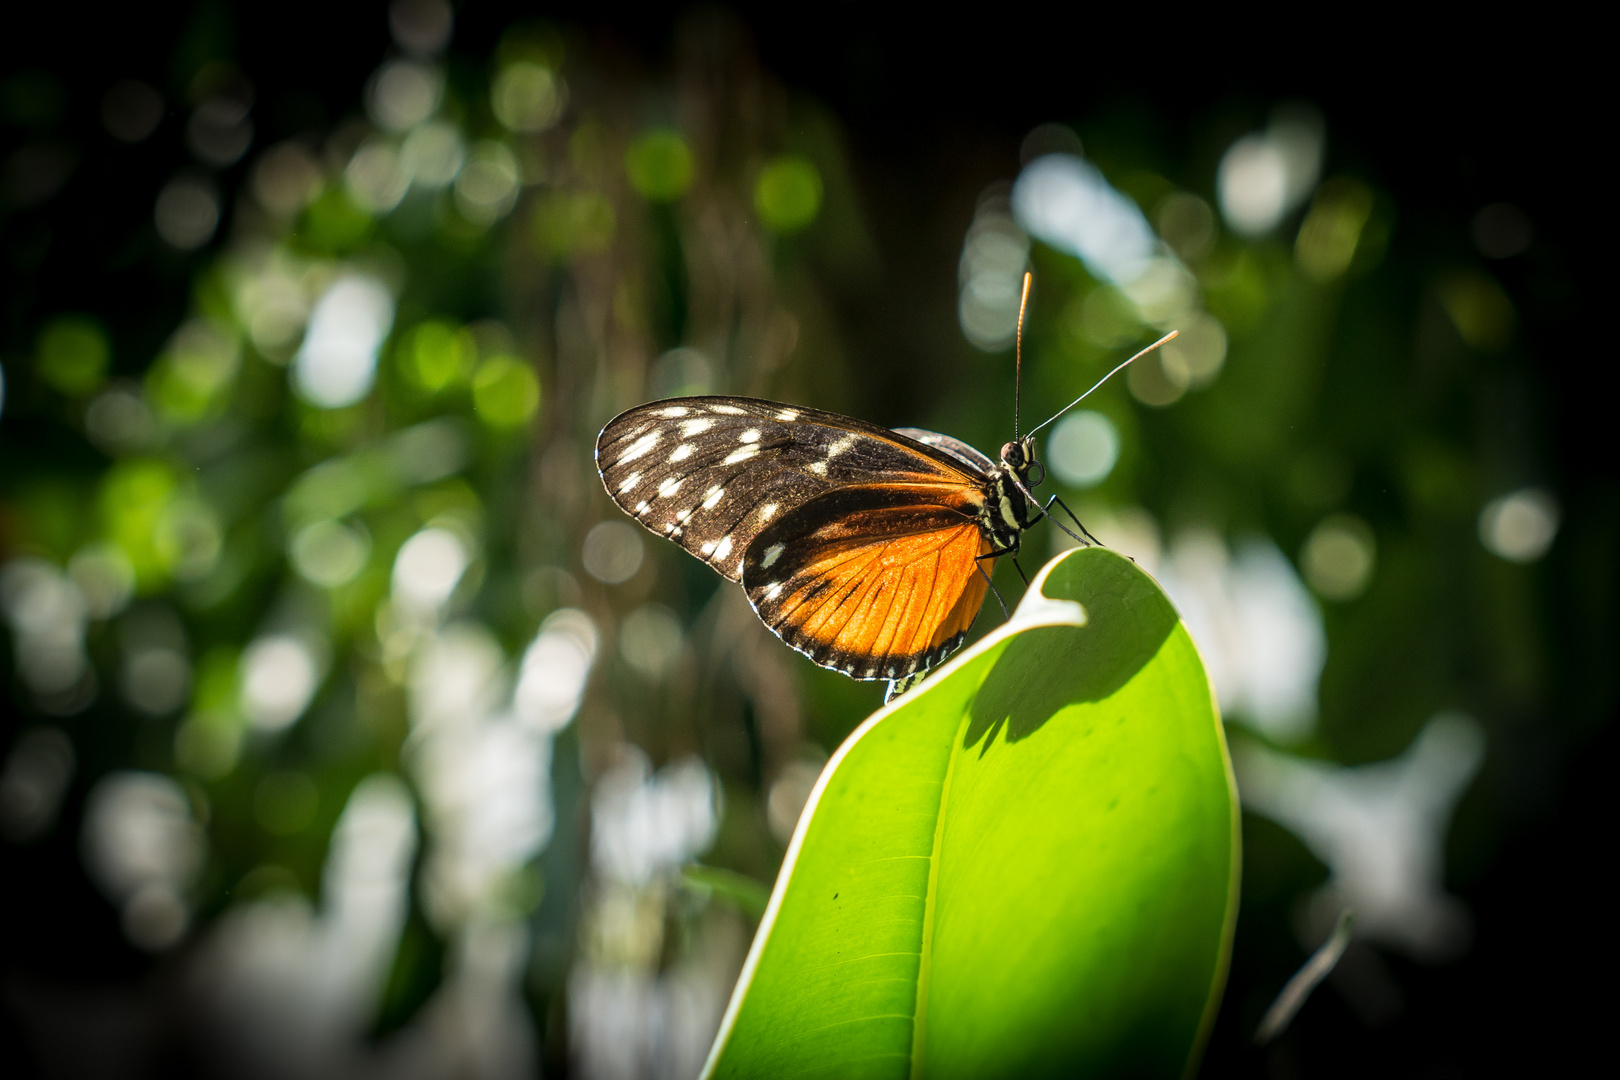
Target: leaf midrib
919, 1021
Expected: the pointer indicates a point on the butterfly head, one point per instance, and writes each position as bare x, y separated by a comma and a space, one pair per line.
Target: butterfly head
1019, 455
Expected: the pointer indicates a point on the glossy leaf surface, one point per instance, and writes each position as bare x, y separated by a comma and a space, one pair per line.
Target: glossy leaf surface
1027, 866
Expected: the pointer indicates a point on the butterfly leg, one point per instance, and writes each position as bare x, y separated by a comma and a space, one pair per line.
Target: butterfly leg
987, 581
1044, 510
1083, 530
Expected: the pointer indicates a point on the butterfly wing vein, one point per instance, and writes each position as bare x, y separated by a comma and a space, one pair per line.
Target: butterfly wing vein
875, 582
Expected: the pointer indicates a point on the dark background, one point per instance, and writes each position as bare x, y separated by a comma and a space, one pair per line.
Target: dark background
934, 106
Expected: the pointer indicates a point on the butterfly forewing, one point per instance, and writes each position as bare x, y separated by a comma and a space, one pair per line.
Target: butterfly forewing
711, 472
878, 581
967, 456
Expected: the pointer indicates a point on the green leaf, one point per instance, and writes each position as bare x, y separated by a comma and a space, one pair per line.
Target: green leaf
1027, 866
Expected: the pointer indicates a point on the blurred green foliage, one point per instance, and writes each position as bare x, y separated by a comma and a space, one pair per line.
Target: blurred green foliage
73, 354
207, 576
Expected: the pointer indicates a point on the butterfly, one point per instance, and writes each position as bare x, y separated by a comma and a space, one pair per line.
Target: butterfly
869, 550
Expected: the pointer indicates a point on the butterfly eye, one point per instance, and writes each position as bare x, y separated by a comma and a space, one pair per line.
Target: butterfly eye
1013, 454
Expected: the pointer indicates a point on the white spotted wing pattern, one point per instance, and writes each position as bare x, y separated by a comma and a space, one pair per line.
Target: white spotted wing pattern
859, 546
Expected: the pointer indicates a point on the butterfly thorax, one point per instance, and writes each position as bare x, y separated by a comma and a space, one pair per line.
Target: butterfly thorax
1006, 511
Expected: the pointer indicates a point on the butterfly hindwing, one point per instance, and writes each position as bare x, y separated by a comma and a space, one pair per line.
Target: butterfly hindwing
711, 472
878, 581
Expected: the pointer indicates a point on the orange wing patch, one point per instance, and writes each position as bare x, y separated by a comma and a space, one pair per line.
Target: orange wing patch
877, 593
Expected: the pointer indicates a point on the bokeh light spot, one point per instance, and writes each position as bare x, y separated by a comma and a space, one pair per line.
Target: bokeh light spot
1198, 351
134, 494
555, 667
682, 372
73, 354
219, 131
287, 179
789, 793
155, 917
187, 212
1339, 556
131, 110
403, 93
1479, 309
506, 392
1264, 176
272, 301
1066, 202
105, 577
329, 553
421, 26
279, 676
1163, 291
142, 848
487, 186
1521, 525
198, 364
1083, 448
1050, 138
650, 639
119, 422
566, 223
643, 824
1187, 224
374, 177
337, 362
787, 195
428, 567
991, 279
1502, 231
660, 165
432, 154
1155, 383
527, 97
36, 172
156, 680
36, 776
435, 354
46, 612
1332, 229
613, 552
1253, 185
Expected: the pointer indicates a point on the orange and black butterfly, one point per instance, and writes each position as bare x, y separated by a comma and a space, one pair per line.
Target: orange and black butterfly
867, 550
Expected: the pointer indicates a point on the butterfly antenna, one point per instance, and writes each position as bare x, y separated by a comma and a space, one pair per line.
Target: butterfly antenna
1102, 380
1018, 369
